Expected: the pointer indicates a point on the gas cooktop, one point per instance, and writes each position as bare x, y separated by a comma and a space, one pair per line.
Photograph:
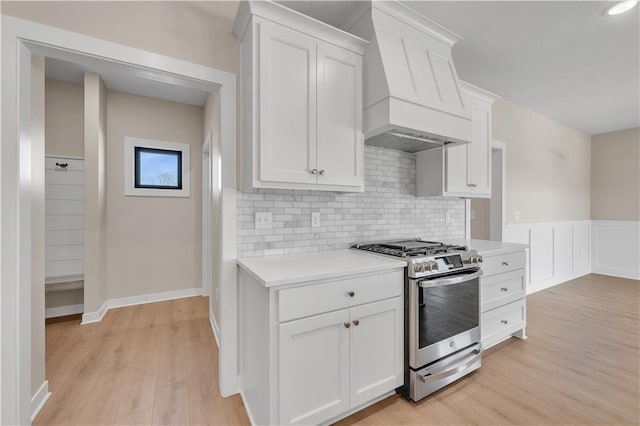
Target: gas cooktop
410, 248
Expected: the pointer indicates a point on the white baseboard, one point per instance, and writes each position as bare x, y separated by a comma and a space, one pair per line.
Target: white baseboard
620, 273
62, 311
39, 399
246, 408
542, 285
89, 317
215, 328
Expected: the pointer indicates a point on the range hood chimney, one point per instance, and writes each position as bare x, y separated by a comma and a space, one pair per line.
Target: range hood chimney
412, 95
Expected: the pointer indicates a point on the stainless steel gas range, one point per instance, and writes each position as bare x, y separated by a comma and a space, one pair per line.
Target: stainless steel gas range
442, 312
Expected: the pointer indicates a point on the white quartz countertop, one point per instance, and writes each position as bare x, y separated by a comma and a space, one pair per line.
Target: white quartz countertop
299, 268
487, 248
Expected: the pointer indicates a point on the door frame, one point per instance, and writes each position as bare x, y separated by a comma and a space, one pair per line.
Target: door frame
207, 240
21, 38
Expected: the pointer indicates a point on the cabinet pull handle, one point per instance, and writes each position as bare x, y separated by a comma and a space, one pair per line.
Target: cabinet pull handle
63, 165
351, 293
321, 172
505, 289
347, 325
504, 322
314, 171
505, 263
356, 323
469, 185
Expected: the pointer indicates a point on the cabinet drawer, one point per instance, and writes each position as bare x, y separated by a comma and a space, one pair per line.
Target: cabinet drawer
501, 322
503, 263
53, 163
315, 299
498, 290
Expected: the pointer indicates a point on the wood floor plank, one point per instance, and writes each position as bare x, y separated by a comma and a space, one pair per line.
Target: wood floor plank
158, 364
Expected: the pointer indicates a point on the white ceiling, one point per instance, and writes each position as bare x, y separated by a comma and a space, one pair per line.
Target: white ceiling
125, 79
566, 60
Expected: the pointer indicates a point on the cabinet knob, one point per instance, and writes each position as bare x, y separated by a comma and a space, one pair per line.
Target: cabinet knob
351, 293
504, 322
314, 171
505, 263
356, 323
321, 172
347, 325
505, 289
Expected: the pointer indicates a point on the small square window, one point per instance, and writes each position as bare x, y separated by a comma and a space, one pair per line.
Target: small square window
154, 168
158, 168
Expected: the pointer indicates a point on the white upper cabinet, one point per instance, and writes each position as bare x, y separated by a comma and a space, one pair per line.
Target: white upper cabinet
301, 94
462, 170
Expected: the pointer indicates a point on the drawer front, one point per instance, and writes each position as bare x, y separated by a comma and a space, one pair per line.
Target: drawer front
498, 290
501, 322
503, 263
62, 164
299, 302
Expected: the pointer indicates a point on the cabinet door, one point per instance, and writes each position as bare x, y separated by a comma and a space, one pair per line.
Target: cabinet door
340, 137
480, 148
287, 112
456, 160
314, 368
377, 348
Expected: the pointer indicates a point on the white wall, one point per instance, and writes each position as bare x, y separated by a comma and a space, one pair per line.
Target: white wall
154, 244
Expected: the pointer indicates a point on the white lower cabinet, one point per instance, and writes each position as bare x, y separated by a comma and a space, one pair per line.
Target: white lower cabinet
503, 298
321, 366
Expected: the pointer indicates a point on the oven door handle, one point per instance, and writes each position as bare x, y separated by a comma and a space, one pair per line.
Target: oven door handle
448, 281
438, 376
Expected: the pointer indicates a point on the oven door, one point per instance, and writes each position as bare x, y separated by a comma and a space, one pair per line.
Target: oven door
444, 315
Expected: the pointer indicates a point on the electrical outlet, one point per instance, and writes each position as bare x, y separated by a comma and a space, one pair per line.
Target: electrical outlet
517, 215
473, 214
263, 220
315, 219
447, 217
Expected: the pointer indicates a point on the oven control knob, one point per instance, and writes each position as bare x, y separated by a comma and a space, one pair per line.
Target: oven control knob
467, 260
418, 267
479, 259
432, 266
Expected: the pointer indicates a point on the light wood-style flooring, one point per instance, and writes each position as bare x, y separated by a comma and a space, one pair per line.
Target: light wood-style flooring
157, 364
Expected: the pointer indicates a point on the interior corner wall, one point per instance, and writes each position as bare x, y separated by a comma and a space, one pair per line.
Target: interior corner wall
615, 175
37, 223
95, 197
548, 175
64, 124
154, 243
480, 218
212, 127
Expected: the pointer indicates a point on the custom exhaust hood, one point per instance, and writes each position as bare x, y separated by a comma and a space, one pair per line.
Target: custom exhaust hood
412, 95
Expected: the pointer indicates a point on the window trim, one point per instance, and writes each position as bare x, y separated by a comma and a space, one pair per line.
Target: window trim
130, 169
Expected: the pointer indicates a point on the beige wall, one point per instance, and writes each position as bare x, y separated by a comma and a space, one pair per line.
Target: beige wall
37, 222
615, 175
95, 200
56, 299
64, 118
154, 243
481, 219
548, 174
195, 31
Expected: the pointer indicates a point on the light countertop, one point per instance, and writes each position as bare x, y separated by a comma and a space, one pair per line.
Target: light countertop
488, 248
279, 270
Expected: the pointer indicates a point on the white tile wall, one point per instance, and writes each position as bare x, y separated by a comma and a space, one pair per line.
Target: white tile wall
387, 209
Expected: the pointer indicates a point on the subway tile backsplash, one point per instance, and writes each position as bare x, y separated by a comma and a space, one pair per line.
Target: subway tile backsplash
387, 209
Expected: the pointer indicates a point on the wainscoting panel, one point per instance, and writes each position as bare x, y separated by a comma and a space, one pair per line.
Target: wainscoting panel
558, 251
616, 248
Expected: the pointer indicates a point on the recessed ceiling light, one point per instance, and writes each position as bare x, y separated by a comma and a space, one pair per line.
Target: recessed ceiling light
622, 7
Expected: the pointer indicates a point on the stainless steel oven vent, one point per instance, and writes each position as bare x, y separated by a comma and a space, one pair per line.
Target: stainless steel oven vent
408, 142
